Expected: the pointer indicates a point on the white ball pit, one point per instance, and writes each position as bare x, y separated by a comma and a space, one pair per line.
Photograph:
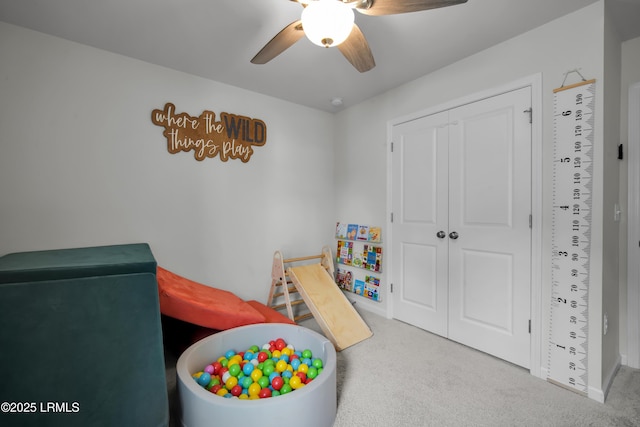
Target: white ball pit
313, 405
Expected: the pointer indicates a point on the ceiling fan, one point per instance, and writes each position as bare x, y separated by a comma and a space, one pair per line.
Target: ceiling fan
331, 23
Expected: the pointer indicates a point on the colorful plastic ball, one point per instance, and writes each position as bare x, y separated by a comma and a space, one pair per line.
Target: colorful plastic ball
231, 383
246, 382
236, 390
204, 379
268, 369
254, 389
287, 374
263, 381
312, 372
235, 370
215, 388
226, 376
277, 383
254, 348
303, 368
302, 376
248, 368
209, 369
222, 392
256, 374
295, 382
307, 354
229, 354
286, 389
316, 363
264, 393
262, 356
217, 366
295, 364
281, 366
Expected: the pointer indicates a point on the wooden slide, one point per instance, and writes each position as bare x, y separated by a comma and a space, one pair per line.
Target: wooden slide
337, 318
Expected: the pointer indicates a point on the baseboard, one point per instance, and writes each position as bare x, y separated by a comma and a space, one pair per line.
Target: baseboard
365, 304
608, 380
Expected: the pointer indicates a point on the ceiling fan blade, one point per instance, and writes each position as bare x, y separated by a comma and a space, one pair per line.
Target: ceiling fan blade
392, 7
356, 49
281, 42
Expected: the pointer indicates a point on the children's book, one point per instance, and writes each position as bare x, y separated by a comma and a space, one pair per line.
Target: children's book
363, 232
341, 230
344, 254
344, 279
372, 259
375, 234
371, 286
358, 287
358, 256
352, 231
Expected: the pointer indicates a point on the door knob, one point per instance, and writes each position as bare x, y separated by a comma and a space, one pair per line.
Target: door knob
441, 234
453, 235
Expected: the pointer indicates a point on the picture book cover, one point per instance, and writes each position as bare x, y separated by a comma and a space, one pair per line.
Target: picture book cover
344, 254
344, 279
375, 234
363, 232
358, 287
352, 231
341, 230
371, 287
358, 256
372, 258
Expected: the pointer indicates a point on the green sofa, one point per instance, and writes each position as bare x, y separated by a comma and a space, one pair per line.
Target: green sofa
81, 338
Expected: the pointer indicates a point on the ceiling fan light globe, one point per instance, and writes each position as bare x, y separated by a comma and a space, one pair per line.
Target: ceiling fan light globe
327, 22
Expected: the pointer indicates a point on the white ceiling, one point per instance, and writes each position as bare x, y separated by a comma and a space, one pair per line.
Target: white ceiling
216, 39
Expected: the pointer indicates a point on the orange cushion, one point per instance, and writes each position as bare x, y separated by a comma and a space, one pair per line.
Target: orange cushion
271, 315
203, 305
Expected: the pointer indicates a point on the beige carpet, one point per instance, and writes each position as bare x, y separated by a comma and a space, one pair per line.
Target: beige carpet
404, 376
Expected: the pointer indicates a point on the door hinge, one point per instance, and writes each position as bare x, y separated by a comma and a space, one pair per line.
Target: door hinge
530, 221
391, 216
530, 111
529, 325
391, 287
392, 146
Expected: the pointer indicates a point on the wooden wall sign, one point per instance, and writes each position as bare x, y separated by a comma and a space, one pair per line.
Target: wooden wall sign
231, 137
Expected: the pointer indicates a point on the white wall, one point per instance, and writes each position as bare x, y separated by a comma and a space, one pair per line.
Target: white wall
573, 41
611, 197
630, 76
82, 164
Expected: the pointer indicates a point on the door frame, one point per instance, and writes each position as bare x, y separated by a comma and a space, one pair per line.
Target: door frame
633, 230
535, 83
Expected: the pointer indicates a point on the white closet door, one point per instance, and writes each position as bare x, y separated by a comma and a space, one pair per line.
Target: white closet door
489, 208
461, 200
420, 212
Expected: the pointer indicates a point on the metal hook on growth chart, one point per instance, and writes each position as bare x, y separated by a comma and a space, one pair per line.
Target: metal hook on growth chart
572, 71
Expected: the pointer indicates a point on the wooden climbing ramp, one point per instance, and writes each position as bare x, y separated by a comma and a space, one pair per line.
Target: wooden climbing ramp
315, 284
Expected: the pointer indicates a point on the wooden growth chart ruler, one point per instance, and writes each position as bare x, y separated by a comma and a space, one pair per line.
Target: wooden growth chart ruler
571, 235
